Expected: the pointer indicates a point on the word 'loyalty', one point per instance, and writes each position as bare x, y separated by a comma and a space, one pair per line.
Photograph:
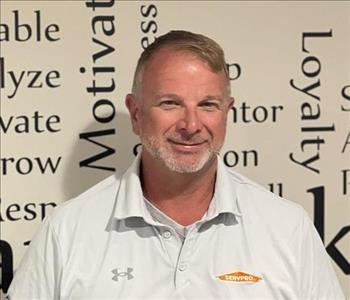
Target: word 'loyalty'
311, 68
27, 79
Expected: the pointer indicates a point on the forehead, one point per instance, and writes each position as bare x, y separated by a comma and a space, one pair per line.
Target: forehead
172, 68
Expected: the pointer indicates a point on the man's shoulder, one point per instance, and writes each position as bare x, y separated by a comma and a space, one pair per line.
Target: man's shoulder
257, 194
260, 206
93, 204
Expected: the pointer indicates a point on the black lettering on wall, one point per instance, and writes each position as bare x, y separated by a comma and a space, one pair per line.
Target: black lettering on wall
35, 123
345, 92
276, 188
22, 32
258, 114
27, 165
243, 158
334, 252
319, 221
346, 180
310, 108
27, 79
234, 75
103, 109
99, 4
149, 25
88, 162
346, 143
6, 265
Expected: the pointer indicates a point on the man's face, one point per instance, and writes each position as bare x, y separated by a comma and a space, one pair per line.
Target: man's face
180, 111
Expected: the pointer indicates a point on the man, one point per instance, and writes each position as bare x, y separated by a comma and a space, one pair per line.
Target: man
178, 223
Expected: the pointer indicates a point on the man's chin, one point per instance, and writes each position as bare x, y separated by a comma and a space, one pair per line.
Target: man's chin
179, 161
188, 164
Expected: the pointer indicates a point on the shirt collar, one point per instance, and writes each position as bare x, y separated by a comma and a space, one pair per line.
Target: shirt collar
129, 199
225, 194
130, 202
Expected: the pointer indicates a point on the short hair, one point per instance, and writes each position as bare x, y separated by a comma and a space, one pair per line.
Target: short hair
201, 46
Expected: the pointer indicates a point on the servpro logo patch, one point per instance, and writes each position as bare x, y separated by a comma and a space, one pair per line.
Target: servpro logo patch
239, 277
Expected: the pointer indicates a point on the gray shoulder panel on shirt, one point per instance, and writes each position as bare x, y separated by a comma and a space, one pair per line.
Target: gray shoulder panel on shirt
94, 202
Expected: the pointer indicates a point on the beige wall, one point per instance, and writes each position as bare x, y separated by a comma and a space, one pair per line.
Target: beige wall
265, 131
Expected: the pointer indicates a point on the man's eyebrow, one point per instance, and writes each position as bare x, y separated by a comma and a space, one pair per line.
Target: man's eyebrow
168, 95
177, 97
213, 97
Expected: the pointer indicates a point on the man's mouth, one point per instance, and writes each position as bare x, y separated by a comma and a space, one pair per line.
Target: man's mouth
186, 143
185, 146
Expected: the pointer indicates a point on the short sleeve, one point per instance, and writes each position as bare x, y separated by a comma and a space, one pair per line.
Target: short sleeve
38, 275
317, 278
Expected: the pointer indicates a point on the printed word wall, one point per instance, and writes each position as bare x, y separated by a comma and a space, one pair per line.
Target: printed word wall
66, 66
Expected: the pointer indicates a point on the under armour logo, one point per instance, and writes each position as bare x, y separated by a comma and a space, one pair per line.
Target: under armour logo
118, 274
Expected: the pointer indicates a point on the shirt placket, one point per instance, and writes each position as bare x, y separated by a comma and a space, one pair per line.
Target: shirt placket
171, 243
183, 266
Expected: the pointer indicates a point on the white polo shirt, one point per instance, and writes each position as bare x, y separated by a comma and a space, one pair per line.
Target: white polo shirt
105, 244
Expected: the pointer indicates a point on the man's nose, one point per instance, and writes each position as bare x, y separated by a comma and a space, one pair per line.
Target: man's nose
190, 122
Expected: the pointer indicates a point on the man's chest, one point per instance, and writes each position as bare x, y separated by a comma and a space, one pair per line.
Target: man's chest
151, 263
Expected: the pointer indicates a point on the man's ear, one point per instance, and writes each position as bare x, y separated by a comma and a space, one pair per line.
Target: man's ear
133, 106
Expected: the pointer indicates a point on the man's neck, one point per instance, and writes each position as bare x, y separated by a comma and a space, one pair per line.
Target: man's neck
184, 197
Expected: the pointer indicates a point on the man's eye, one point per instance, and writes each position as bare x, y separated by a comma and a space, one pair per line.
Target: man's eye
210, 105
167, 104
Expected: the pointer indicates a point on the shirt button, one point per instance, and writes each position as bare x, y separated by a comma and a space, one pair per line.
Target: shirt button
182, 267
167, 234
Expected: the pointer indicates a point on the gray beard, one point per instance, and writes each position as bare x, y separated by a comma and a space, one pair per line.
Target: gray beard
164, 155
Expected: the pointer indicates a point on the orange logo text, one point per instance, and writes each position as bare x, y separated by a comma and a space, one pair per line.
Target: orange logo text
239, 277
